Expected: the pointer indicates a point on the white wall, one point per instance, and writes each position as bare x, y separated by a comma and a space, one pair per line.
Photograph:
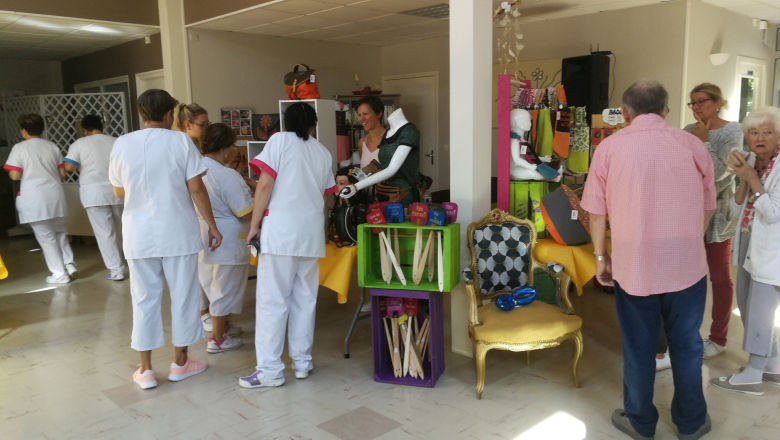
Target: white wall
647, 42
241, 70
714, 29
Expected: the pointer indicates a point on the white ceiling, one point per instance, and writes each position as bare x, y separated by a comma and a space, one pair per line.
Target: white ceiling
370, 22
43, 37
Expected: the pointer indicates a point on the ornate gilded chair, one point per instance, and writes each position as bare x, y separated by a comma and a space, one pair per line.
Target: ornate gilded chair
501, 248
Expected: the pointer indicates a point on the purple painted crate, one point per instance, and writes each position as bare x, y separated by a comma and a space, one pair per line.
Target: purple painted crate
433, 363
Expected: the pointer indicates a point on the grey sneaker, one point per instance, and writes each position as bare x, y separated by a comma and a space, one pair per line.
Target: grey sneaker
772, 378
712, 349
258, 379
754, 389
703, 429
621, 422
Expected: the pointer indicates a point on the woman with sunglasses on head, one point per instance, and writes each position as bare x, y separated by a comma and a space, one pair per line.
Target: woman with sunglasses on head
720, 137
193, 119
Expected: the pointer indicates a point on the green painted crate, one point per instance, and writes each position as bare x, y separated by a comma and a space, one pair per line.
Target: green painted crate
370, 268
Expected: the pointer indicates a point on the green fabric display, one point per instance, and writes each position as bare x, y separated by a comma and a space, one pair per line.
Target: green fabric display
525, 198
544, 133
579, 154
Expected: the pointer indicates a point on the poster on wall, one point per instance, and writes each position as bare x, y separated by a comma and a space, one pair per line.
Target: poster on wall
264, 126
239, 119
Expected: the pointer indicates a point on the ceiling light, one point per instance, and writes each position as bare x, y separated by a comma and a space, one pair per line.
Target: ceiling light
97, 29
435, 11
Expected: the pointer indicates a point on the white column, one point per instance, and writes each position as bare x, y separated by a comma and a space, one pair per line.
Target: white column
471, 69
175, 52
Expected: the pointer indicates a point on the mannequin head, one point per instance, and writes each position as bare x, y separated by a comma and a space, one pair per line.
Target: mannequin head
520, 120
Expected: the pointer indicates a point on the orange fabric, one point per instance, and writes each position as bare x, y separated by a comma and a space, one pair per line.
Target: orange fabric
534, 117
562, 139
577, 261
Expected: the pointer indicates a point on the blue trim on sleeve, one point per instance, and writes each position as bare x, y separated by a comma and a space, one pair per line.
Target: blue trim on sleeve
71, 161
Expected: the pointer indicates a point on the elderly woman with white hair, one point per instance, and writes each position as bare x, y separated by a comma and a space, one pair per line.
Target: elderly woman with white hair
756, 252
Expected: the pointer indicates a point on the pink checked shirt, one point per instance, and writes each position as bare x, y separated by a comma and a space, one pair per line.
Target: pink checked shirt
655, 182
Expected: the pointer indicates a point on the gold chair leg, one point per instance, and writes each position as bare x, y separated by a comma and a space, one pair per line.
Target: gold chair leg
480, 353
576, 359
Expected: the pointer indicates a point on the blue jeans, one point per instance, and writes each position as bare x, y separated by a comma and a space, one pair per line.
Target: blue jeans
640, 321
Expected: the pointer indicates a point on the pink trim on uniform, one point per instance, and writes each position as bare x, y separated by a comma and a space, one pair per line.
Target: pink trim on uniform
332, 190
11, 168
18, 193
258, 166
61, 165
265, 214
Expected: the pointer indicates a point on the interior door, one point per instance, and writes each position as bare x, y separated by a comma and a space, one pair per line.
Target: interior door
144, 81
420, 103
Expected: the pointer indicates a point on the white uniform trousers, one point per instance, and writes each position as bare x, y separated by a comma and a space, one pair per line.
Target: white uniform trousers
286, 298
106, 222
146, 289
224, 285
53, 239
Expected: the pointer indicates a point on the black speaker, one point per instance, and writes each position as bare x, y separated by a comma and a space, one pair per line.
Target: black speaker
586, 81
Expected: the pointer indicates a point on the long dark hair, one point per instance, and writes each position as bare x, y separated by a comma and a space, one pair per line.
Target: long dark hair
300, 118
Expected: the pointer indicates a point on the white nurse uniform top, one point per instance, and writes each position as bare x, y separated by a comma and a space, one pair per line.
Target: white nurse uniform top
92, 153
41, 196
230, 198
294, 223
153, 166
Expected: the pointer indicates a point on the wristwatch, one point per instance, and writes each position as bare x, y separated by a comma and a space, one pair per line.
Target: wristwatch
757, 194
600, 257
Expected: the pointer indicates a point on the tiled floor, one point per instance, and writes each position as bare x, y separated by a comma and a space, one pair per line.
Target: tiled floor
65, 368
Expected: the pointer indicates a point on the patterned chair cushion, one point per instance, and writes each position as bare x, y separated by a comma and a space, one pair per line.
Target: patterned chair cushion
502, 256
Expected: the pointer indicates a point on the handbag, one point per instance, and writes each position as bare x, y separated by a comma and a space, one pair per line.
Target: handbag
301, 83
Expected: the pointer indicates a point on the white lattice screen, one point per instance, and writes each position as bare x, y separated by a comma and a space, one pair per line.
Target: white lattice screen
62, 113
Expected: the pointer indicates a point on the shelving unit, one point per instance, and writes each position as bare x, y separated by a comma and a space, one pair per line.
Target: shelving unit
326, 122
354, 130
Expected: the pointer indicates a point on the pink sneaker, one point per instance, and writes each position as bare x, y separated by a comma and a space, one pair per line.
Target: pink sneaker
181, 372
145, 380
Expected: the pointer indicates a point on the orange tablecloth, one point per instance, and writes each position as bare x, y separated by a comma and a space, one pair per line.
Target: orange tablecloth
336, 269
578, 261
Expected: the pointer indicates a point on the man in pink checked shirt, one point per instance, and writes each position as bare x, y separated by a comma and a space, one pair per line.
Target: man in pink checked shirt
656, 184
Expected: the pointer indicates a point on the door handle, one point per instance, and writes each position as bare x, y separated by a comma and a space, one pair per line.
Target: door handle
430, 155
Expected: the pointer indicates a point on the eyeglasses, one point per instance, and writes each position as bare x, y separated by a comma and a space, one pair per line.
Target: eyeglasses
202, 124
699, 102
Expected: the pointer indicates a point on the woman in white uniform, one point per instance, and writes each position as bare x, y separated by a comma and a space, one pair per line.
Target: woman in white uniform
295, 177
90, 155
158, 173
41, 199
223, 273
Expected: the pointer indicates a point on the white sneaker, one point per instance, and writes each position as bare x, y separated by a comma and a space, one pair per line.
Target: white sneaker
712, 349
664, 362
226, 344
62, 279
71, 268
206, 320
302, 374
115, 276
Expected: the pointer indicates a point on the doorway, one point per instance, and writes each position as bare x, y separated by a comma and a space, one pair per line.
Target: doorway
751, 84
144, 81
420, 102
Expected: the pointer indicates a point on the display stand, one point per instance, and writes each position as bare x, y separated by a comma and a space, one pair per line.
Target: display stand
326, 123
432, 363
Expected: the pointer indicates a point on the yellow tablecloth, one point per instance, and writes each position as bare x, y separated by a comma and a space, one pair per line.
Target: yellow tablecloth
336, 269
578, 261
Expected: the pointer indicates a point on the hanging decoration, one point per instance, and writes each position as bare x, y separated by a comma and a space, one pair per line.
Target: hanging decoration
509, 38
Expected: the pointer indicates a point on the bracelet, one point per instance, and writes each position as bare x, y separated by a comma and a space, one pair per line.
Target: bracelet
600, 257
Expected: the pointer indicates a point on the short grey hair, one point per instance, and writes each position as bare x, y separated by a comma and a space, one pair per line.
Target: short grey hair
644, 97
762, 116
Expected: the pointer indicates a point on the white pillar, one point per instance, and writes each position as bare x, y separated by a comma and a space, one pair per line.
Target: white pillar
471, 70
175, 51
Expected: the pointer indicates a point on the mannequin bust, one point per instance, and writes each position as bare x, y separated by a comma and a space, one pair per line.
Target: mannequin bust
395, 120
521, 168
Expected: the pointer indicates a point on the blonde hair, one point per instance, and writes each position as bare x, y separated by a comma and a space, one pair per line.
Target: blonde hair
187, 112
713, 92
